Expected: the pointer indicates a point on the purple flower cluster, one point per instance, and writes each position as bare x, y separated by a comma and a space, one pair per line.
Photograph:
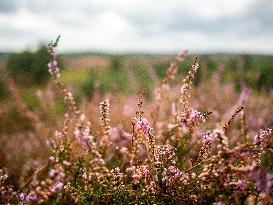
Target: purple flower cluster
142, 125
196, 116
53, 65
173, 175
207, 138
182, 55
119, 137
83, 137
262, 180
56, 187
262, 138
27, 198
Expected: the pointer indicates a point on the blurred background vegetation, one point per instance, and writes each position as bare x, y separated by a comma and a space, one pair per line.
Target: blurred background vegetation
87, 73
30, 68
126, 73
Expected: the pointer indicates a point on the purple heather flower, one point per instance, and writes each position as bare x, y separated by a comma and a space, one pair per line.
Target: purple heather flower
144, 171
207, 138
218, 203
31, 198
58, 186
241, 185
119, 137
153, 186
182, 55
261, 138
52, 172
21, 196
4, 177
53, 65
51, 159
143, 125
82, 137
262, 180
196, 116
54, 54
173, 170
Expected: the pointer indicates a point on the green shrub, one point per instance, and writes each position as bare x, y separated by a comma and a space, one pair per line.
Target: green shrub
29, 68
143, 78
258, 72
265, 79
114, 78
115, 64
3, 91
161, 69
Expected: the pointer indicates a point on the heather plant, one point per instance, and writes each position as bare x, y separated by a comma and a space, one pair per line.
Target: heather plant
168, 151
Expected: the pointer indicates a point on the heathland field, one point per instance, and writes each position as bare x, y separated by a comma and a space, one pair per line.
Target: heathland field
94, 128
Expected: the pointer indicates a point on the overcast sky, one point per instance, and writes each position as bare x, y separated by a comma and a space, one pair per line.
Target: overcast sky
139, 25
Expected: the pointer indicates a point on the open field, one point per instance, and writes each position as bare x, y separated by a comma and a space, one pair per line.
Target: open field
202, 140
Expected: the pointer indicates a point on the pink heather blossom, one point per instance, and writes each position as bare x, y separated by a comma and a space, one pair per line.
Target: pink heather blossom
157, 93
153, 186
241, 185
116, 173
51, 159
53, 65
207, 138
66, 163
172, 175
218, 203
114, 134
52, 172
4, 177
262, 180
58, 186
98, 161
123, 150
145, 171
143, 125
171, 126
182, 55
68, 96
166, 87
196, 116
22, 196
58, 134
31, 198
261, 139
119, 137
82, 137
77, 133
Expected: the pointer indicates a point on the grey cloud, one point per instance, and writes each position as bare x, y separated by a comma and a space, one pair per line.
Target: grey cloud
7, 6
255, 22
262, 13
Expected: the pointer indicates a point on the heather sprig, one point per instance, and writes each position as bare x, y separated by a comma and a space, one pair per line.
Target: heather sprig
104, 110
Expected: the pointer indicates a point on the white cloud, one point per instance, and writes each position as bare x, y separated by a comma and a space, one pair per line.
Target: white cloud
154, 25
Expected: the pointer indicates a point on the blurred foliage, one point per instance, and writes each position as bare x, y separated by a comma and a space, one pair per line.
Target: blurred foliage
143, 78
243, 70
161, 68
114, 78
29, 68
3, 91
28, 95
13, 121
265, 67
132, 76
